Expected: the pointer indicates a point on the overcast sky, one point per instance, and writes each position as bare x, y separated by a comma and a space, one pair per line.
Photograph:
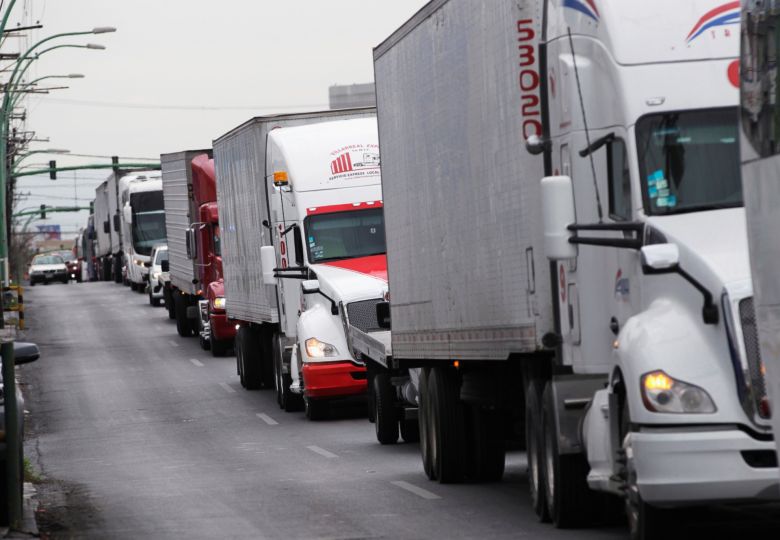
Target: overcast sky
179, 73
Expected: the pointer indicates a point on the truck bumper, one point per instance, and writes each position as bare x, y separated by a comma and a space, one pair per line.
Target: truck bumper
683, 467
221, 328
333, 379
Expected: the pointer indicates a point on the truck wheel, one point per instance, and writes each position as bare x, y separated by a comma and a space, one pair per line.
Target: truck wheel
183, 326
250, 358
204, 343
133, 286
316, 409
239, 357
569, 499
219, 347
410, 430
447, 426
533, 442
487, 449
117, 270
645, 522
423, 414
385, 414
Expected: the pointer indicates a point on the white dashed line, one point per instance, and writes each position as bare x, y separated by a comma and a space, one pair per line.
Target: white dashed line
173, 343
267, 419
227, 388
197, 363
322, 452
411, 488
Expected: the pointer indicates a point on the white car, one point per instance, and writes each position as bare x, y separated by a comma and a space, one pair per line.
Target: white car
159, 254
46, 268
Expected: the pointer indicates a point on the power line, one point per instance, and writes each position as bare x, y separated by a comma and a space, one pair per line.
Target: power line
109, 157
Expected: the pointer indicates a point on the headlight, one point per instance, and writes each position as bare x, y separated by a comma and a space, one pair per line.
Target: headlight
138, 262
156, 276
661, 393
219, 303
319, 349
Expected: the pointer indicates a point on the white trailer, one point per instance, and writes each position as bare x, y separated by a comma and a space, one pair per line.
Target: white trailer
143, 223
602, 306
280, 178
760, 172
102, 223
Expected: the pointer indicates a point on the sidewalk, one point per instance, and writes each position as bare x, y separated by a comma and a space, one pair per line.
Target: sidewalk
29, 528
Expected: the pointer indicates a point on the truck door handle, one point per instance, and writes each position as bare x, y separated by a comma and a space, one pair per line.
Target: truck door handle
614, 325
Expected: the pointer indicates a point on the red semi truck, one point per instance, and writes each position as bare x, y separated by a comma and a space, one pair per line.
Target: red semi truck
195, 292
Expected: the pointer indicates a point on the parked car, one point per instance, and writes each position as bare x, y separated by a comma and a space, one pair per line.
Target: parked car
71, 261
155, 288
46, 268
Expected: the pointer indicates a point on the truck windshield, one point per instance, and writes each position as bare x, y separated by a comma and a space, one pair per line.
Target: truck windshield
345, 235
689, 161
148, 231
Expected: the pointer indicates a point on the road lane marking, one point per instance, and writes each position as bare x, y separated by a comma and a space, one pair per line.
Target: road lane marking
197, 363
173, 343
267, 419
411, 488
227, 388
322, 452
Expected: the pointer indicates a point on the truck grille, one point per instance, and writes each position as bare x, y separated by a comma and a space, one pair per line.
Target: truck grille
747, 317
362, 315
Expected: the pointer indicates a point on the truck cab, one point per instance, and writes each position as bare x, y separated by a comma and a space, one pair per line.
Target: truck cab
328, 255
645, 223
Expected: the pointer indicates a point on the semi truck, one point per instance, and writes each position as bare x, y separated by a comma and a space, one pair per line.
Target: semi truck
567, 252
102, 223
142, 227
760, 171
193, 289
303, 245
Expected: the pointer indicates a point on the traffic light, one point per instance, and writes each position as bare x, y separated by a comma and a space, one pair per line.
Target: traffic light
43, 211
52, 170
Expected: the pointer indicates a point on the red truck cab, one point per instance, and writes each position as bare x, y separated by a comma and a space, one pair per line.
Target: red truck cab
216, 332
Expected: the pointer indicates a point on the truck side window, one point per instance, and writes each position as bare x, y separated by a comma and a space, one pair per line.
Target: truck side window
619, 181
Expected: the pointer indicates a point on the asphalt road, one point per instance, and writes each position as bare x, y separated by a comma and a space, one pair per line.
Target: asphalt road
138, 433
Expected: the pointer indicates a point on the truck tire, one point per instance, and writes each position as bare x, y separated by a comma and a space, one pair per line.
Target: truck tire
487, 445
569, 499
154, 302
410, 430
645, 522
447, 426
533, 442
423, 414
250, 358
117, 272
219, 347
316, 409
385, 413
183, 326
287, 400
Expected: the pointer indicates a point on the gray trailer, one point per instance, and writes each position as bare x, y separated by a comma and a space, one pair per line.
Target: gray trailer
243, 181
181, 212
102, 223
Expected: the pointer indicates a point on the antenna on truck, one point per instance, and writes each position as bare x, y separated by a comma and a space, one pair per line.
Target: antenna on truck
585, 125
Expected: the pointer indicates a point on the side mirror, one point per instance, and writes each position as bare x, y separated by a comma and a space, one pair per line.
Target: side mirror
117, 224
658, 258
298, 240
267, 264
128, 213
383, 315
191, 244
165, 266
310, 286
558, 213
24, 353
106, 227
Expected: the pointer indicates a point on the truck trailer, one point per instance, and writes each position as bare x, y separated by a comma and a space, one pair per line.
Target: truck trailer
193, 285
303, 246
102, 224
567, 252
760, 171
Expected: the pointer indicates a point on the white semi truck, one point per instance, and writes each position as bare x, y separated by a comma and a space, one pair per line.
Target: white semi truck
760, 115
303, 250
142, 223
567, 251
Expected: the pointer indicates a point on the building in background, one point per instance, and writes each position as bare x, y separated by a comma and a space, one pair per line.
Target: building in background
350, 96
